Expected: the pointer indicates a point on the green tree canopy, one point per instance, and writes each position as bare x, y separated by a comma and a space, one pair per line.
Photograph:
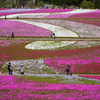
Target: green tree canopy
86, 4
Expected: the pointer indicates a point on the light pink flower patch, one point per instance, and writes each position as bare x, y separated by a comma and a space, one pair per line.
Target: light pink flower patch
59, 16
21, 29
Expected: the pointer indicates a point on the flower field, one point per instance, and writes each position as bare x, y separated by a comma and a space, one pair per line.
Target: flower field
21, 29
45, 61
17, 12
27, 89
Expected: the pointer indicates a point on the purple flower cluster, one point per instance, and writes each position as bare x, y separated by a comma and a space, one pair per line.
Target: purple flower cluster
16, 88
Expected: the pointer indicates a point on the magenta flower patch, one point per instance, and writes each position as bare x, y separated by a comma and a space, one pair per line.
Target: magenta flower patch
16, 88
91, 76
80, 63
89, 15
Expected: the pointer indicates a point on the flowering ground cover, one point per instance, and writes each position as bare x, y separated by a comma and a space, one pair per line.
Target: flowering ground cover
77, 58
31, 66
83, 30
21, 29
45, 45
85, 62
97, 23
58, 30
61, 45
91, 76
17, 88
89, 15
22, 11
83, 56
3, 9
42, 13
71, 13
4, 43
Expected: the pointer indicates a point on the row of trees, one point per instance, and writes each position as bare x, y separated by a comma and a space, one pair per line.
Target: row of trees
61, 3
78, 3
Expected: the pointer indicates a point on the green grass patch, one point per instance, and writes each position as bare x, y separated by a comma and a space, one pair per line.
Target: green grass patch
61, 79
45, 92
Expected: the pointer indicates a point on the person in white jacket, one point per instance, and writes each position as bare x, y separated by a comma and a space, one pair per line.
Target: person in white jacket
21, 69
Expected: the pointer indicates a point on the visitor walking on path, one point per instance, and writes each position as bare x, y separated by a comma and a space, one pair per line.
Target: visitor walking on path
21, 69
67, 69
7, 36
12, 35
5, 17
10, 69
52, 35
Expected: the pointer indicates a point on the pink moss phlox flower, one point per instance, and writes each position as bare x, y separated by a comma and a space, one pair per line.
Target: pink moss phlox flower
91, 76
21, 29
34, 11
82, 63
83, 30
89, 15
16, 88
97, 23
59, 16
4, 43
4, 9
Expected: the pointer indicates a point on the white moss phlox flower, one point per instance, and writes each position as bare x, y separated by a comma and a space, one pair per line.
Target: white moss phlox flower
41, 45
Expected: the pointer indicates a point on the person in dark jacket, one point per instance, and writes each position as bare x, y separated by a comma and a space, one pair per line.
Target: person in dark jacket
67, 69
53, 35
12, 35
21, 69
10, 69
